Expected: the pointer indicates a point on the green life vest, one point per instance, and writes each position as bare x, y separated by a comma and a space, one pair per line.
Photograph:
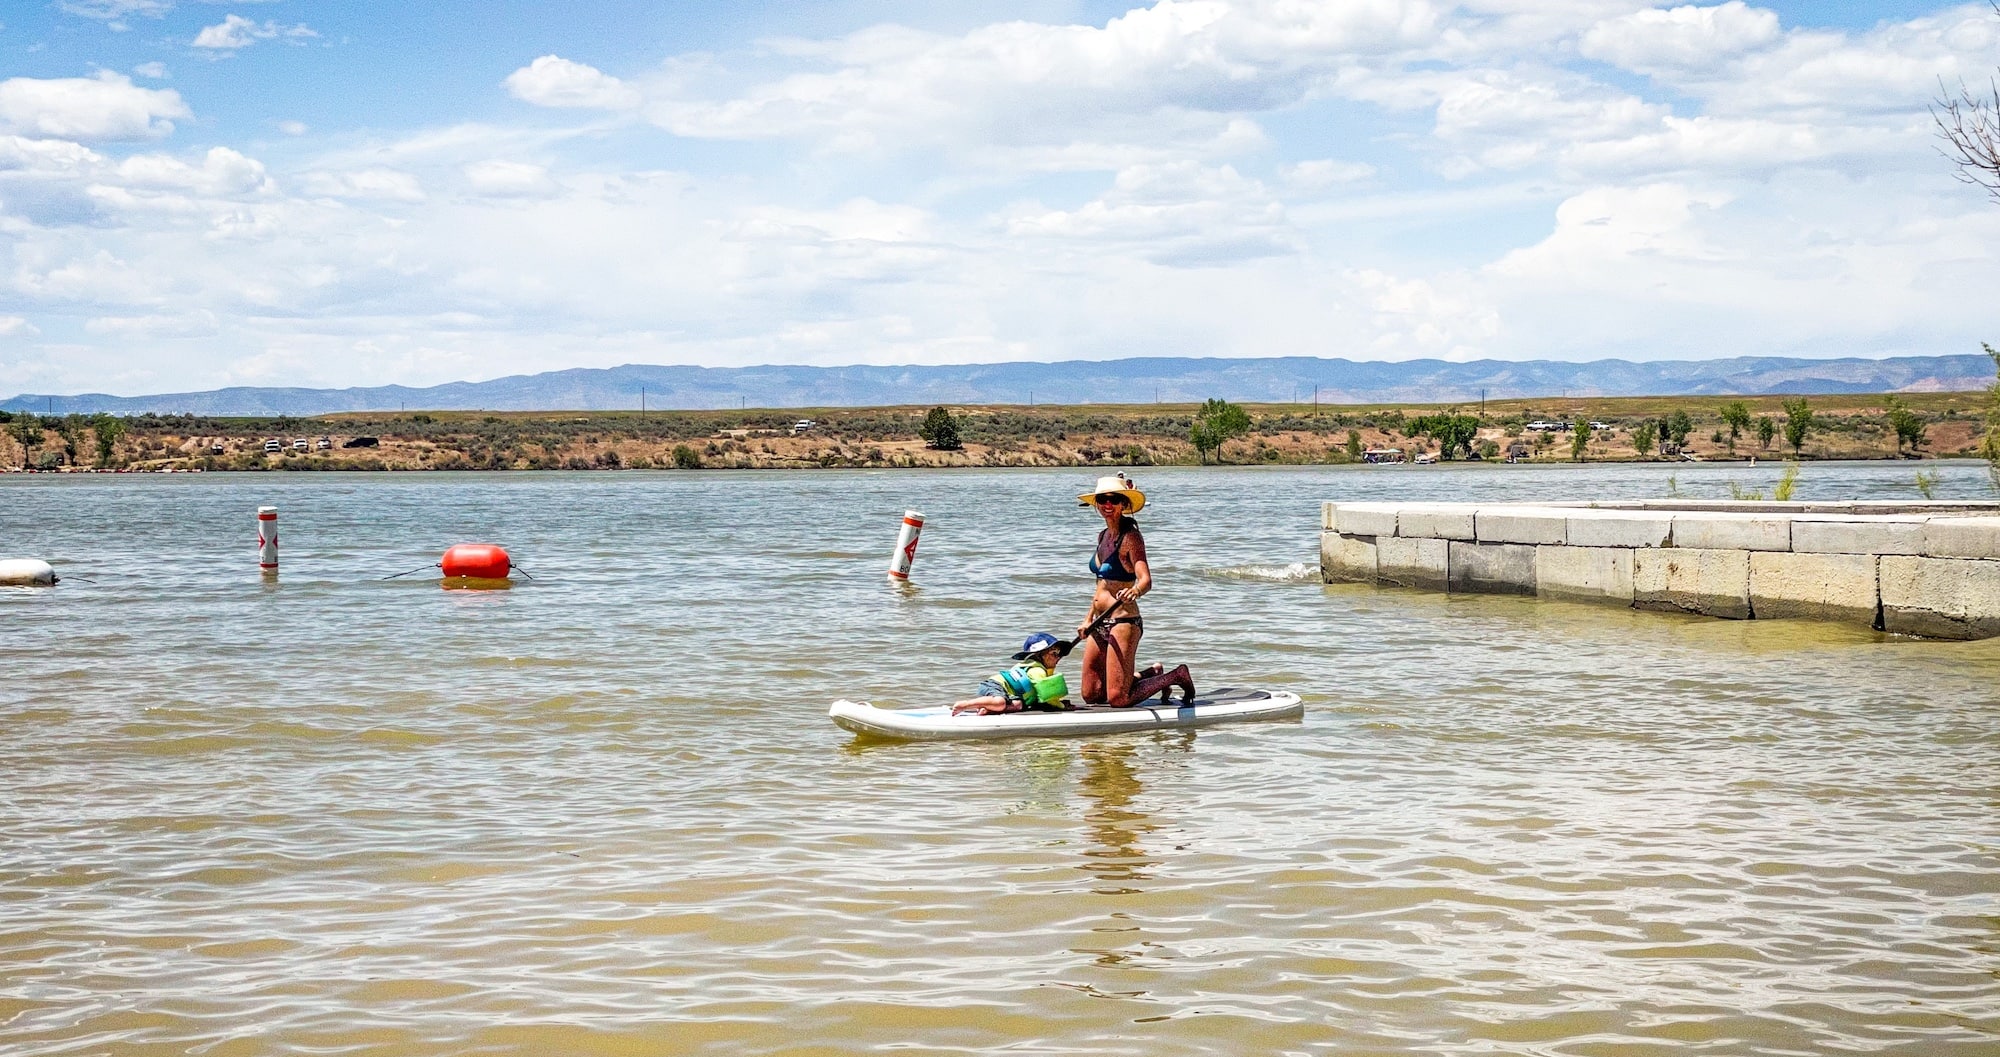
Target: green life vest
1019, 681
1030, 683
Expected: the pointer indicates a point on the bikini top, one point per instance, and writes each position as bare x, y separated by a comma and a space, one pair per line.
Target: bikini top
1112, 566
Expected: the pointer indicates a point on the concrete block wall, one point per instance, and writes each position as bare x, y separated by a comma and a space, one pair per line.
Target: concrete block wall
1930, 569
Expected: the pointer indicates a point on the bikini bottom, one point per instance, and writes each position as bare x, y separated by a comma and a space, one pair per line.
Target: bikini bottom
1103, 632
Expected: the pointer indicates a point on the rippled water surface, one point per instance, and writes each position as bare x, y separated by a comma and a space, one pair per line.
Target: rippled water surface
604, 813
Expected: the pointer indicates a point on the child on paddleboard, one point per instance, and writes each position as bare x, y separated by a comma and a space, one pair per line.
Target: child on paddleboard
1032, 682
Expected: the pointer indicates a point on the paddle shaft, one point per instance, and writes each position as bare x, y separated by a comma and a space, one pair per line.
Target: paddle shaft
1070, 644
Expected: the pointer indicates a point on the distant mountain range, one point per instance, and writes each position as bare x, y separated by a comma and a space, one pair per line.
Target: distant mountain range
1130, 381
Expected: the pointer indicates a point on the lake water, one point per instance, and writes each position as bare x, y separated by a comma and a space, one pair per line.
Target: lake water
604, 813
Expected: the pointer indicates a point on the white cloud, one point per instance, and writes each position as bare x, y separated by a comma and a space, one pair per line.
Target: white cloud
1681, 37
293, 128
1411, 317
1025, 84
557, 82
1893, 69
114, 13
1320, 173
235, 32
222, 172
1507, 121
16, 327
189, 324
1608, 228
505, 178
1176, 215
106, 107
56, 275
46, 156
153, 70
390, 185
1727, 145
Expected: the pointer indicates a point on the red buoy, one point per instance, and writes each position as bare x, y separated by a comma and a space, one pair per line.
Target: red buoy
481, 561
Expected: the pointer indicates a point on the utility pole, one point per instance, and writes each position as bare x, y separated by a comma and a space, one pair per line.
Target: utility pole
1315, 401
1482, 403
642, 403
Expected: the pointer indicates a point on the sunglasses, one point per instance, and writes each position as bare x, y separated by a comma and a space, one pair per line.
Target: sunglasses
1110, 498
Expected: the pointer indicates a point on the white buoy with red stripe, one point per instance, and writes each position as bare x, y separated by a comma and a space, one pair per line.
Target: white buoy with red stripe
477, 561
267, 538
906, 545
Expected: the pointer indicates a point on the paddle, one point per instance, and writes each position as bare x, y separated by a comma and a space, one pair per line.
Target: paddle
1066, 645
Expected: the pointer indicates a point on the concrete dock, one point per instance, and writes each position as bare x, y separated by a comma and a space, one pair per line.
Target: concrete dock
1929, 569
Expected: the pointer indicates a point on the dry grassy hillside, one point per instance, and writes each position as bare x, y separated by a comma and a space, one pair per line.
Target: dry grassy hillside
1848, 427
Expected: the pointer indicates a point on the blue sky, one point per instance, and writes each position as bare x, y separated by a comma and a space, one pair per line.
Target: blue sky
197, 194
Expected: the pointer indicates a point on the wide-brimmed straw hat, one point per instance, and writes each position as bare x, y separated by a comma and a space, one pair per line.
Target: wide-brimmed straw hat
1116, 484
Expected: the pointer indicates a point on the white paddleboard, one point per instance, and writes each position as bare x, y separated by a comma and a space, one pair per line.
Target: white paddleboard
938, 723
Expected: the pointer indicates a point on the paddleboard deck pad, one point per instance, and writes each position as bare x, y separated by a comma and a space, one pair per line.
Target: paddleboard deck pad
938, 723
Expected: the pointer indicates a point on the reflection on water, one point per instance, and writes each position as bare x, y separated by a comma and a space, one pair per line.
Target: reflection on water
1110, 784
604, 812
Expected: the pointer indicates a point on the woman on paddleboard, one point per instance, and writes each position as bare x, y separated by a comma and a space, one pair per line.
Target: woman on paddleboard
1110, 652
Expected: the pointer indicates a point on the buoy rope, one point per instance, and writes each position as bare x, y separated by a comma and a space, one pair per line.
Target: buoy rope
522, 571
418, 569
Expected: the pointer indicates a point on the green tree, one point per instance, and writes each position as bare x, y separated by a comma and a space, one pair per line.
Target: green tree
107, 429
1798, 423
940, 430
1766, 429
1217, 422
1579, 440
1644, 436
1453, 432
28, 430
1736, 415
686, 458
1679, 425
1354, 444
1909, 425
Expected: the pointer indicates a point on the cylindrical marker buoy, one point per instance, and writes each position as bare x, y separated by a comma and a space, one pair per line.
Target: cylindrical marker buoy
26, 572
906, 545
480, 561
267, 538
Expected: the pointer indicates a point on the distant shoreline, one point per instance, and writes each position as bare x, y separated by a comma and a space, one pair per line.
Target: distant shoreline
1539, 431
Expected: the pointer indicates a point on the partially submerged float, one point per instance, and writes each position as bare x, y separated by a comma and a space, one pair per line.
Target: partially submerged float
27, 572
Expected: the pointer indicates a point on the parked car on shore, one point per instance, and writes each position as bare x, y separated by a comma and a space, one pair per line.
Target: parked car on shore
272, 445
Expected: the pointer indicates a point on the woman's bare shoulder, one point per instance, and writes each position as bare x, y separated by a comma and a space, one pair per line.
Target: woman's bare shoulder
1135, 543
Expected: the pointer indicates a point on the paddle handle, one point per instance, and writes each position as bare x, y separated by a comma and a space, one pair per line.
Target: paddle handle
1069, 644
